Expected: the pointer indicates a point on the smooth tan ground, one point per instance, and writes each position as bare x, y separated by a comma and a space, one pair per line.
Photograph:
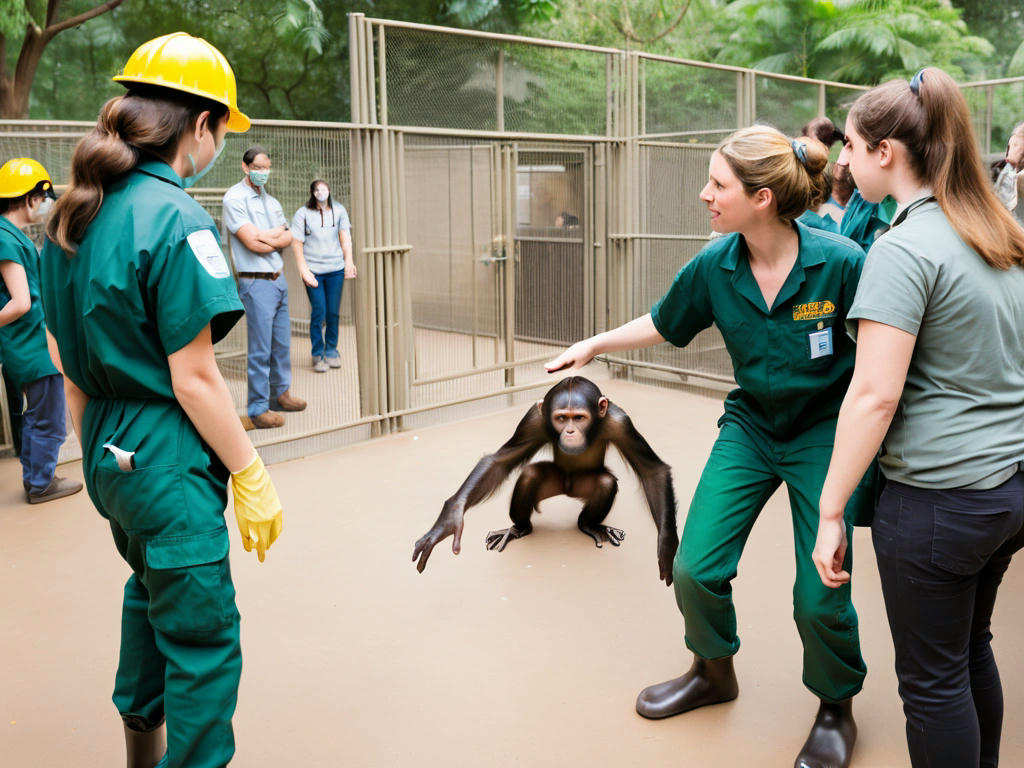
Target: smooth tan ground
532, 657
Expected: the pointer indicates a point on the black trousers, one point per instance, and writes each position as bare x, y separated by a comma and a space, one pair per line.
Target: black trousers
941, 556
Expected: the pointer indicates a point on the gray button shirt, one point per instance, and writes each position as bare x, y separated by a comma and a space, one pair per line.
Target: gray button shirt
244, 205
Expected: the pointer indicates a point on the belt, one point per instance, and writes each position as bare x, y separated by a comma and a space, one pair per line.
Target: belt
260, 275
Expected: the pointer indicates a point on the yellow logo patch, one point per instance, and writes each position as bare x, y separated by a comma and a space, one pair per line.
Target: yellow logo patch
813, 310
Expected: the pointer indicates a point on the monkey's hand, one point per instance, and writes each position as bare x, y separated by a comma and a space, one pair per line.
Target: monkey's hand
668, 543
499, 539
449, 523
602, 533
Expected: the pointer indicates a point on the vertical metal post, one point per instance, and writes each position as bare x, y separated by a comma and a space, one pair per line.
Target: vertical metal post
600, 239
382, 76
989, 94
499, 91
509, 264
821, 99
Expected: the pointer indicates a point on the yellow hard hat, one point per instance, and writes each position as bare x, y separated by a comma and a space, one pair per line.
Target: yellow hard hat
21, 175
190, 64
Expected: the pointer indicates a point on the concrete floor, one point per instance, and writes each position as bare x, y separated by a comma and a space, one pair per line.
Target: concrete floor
532, 657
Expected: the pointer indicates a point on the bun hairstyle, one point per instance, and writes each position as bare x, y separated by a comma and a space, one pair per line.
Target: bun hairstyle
147, 120
793, 169
824, 130
930, 118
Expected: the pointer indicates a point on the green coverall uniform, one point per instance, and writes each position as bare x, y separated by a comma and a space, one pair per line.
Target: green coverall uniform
148, 276
23, 342
793, 363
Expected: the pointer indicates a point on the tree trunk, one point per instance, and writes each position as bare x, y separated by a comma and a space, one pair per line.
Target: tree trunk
14, 93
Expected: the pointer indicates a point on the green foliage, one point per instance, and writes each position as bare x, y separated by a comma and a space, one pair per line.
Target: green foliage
13, 17
854, 41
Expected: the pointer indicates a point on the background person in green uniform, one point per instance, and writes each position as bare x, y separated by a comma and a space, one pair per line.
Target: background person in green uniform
939, 385
778, 292
136, 291
26, 194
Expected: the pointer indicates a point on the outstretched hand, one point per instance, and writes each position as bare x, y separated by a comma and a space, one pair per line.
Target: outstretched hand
449, 523
576, 356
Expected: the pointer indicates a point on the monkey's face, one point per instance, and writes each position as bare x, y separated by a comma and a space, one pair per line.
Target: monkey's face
572, 426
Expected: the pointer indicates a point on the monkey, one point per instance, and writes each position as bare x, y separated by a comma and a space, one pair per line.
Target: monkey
579, 423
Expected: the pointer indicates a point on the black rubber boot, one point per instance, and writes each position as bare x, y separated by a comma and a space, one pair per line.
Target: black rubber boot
830, 743
145, 747
709, 681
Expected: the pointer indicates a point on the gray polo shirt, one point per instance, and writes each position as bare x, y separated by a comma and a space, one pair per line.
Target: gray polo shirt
244, 205
960, 419
319, 231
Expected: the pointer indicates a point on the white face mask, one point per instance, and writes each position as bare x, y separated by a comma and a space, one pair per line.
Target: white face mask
322, 195
43, 209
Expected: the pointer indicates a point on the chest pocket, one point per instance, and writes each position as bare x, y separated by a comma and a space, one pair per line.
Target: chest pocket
810, 347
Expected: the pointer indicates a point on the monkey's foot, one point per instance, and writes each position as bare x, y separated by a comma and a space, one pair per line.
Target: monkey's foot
499, 539
709, 681
602, 533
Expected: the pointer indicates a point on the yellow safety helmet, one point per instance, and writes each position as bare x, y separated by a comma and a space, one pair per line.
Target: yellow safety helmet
21, 175
190, 64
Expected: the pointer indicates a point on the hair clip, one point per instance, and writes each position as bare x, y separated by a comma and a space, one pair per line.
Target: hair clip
915, 82
800, 150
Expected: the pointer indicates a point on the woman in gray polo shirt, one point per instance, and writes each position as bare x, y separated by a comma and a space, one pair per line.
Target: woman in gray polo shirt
939, 386
323, 253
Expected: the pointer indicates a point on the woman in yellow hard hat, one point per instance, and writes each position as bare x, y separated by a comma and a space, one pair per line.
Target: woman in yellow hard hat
26, 195
136, 291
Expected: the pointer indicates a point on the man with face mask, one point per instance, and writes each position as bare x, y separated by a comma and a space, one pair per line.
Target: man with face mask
26, 195
258, 231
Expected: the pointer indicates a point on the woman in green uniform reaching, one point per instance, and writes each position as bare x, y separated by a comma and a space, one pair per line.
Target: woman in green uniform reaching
779, 293
136, 291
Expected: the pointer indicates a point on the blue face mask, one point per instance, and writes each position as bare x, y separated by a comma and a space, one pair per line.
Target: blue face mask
190, 181
259, 178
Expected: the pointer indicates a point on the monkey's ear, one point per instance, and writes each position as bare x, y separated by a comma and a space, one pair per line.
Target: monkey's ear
540, 406
602, 406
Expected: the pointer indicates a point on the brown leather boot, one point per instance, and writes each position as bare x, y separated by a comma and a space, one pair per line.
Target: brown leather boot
830, 743
267, 420
145, 748
709, 681
287, 402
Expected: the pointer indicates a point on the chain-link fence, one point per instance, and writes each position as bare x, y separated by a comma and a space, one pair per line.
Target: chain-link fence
508, 196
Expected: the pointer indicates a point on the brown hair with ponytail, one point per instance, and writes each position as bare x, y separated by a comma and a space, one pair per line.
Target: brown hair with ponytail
793, 169
147, 120
934, 124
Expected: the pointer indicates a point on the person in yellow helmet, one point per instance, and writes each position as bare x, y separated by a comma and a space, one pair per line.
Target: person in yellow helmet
136, 291
26, 194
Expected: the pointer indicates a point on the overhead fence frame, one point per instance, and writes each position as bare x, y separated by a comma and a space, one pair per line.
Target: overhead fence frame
463, 295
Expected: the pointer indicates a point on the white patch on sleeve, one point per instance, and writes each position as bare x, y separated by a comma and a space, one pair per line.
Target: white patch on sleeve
207, 251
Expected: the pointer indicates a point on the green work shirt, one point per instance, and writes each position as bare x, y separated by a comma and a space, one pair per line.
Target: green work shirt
23, 343
864, 222
148, 276
793, 361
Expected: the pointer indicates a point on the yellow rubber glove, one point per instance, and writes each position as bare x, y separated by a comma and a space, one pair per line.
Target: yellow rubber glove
257, 507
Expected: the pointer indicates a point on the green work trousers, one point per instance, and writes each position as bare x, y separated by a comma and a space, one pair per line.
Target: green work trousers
180, 650
742, 472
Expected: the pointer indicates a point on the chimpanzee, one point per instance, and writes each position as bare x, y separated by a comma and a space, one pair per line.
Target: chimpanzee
579, 423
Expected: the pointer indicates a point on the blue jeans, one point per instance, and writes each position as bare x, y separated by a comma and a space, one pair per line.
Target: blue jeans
325, 309
269, 363
941, 557
42, 430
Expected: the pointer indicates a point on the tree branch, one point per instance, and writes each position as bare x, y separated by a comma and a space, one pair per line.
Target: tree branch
55, 29
630, 33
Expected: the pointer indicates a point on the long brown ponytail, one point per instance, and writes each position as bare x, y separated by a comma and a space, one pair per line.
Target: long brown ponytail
145, 121
933, 122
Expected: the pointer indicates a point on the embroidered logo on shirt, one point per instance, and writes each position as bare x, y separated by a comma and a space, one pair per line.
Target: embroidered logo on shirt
813, 310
